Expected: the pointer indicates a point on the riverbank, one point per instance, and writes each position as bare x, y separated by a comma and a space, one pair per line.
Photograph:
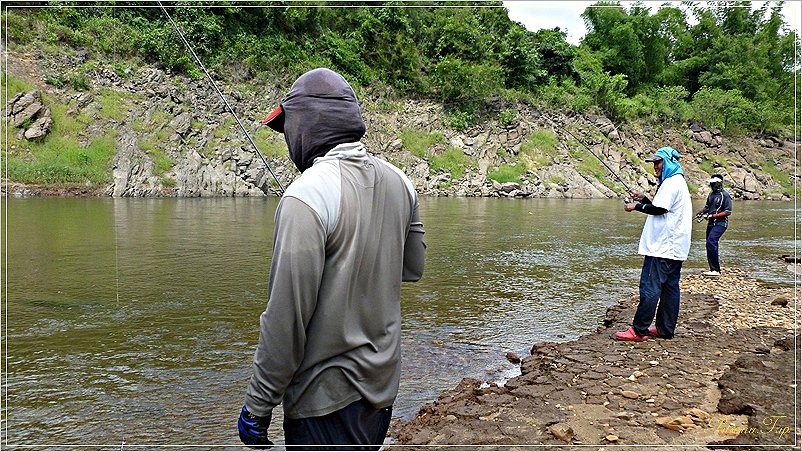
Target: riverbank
729, 379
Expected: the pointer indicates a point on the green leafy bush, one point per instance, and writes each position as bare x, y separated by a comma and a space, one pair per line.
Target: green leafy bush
726, 110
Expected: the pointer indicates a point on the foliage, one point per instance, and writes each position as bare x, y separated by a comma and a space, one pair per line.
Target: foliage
727, 110
465, 84
633, 62
508, 117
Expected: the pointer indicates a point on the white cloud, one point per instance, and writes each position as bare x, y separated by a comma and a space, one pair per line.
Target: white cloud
566, 15
536, 15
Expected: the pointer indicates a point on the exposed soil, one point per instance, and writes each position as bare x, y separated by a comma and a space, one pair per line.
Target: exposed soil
19, 190
727, 380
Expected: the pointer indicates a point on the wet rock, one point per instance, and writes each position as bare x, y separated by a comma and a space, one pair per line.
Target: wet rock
513, 358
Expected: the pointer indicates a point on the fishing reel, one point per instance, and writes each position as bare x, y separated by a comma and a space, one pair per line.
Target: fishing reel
627, 200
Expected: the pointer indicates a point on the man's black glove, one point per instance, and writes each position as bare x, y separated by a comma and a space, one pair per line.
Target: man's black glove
253, 429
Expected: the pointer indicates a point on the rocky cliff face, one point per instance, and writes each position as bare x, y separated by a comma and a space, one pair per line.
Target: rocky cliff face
175, 138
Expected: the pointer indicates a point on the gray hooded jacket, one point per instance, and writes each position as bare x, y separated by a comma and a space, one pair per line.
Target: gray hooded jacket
347, 233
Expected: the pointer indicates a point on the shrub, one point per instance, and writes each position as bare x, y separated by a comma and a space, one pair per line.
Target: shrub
507, 117
726, 110
465, 84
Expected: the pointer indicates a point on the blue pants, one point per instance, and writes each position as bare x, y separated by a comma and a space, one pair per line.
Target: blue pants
659, 281
358, 426
712, 236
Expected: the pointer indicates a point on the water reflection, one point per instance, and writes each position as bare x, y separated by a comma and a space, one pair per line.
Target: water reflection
136, 319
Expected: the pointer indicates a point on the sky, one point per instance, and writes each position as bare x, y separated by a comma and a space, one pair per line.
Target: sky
535, 15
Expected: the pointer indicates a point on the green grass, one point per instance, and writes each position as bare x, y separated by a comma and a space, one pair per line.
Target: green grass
539, 149
267, 144
589, 165
710, 163
418, 142
113, 105
508, 173
706, 166
453, 161
770, 168
159, 118
58, 158
631, 156
61, 160
15, 86
161, 161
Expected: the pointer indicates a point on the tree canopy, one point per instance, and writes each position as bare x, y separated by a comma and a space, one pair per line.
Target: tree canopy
633, 62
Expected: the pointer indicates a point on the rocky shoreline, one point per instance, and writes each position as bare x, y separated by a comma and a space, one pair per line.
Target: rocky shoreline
728, 380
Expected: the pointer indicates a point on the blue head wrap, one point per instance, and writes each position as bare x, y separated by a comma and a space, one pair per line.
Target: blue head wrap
671, 164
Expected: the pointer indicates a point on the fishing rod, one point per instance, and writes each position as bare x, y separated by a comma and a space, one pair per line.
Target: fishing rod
594, 154
225, 101
600, 159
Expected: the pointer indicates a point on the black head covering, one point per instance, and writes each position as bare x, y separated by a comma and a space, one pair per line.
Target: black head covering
716, 182
319, 113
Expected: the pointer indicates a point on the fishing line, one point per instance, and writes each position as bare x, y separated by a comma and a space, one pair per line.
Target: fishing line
225, 101
593, 154
116, 261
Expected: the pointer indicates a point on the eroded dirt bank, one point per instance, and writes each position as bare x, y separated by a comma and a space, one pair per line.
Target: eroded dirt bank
729, 379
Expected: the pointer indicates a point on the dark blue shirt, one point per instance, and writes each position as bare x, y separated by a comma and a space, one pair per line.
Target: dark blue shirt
719, 201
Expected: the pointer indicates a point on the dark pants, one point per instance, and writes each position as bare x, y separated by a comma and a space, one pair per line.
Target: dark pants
358, 426
712, 236
659, 281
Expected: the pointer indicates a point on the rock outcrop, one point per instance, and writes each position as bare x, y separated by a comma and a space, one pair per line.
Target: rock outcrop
176, 138
27, 113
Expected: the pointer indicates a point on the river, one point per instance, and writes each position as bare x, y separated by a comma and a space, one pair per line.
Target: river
134, 321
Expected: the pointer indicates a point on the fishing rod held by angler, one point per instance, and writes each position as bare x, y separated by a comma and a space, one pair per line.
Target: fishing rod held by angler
602, 161
225, 101
629, 190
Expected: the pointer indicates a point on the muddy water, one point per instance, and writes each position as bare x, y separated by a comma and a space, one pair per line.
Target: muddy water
133, 321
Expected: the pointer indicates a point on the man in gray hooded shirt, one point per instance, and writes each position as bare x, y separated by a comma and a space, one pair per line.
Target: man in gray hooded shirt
347, 234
